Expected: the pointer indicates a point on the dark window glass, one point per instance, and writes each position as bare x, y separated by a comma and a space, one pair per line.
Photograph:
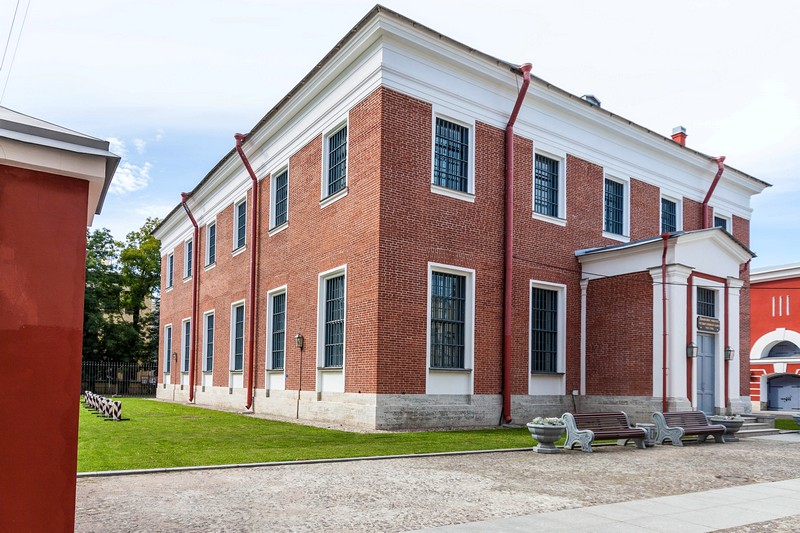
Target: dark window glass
669, 216
212, 243
784, 349
188, 259
448, 300
210, 342
238, 337
168, 349
614, 206
241, 224
337, 161
187, 338
334, 321
720, 222
281, 197
546, 186
544, 330
706, 302
451, 161
278, 330
170, 269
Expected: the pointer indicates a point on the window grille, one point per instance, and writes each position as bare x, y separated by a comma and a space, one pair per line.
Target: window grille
448, 300
188, 259
334, 321
187, 338
337, 161
720, 222
281, 197
544, 330
451, 160
212, 243
209, 343
278, 330
241, 224
238, 337
706, 302
546, 186
614, 206
669, 216
168, 348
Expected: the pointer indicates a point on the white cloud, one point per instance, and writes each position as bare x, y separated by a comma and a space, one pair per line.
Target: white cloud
117, 146
140, 145
130, 178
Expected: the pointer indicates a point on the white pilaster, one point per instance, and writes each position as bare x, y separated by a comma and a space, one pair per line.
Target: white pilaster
584, 289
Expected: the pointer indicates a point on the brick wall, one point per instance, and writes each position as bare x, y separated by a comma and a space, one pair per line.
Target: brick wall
741, 230
617, 363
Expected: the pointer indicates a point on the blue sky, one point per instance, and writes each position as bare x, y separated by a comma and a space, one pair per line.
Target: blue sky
169, 83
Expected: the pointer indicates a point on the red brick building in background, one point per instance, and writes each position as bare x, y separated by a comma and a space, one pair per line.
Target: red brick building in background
775, 333
52, 183
380, 260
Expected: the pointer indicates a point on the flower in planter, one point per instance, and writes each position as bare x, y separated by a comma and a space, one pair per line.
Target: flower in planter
726, 417
547, 421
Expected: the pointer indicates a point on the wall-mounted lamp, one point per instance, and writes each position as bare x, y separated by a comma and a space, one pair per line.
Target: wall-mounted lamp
174, 356
691, 350
298, 341
729, 353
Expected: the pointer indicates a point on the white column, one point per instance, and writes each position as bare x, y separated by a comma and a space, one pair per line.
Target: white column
584, 288
734, 291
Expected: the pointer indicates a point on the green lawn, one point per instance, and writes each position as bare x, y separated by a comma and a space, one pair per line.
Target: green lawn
160, 435
783, 423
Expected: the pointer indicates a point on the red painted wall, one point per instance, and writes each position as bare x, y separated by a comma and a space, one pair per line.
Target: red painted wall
43, 262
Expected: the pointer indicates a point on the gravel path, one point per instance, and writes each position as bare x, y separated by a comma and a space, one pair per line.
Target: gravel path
414, 493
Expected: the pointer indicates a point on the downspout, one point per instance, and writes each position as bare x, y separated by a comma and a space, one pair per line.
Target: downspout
195, 290
509, 242
721, 166
727, 344
252, 294
664, 236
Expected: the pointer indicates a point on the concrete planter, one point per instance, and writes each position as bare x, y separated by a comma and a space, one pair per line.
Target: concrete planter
546, 436
731, 427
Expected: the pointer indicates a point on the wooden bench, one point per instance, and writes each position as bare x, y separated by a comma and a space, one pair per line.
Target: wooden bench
583, 428
674, 426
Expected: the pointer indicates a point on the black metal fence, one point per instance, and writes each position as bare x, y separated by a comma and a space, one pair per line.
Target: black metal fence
119, 379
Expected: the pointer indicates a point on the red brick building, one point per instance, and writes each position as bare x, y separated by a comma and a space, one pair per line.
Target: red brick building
775, 333
381, 249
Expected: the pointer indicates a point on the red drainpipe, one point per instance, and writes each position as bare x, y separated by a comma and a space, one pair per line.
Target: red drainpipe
195, 291
721, 166
664, 236
240, 137
509, 242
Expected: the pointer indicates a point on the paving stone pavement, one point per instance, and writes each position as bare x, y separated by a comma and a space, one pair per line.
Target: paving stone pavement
428, 492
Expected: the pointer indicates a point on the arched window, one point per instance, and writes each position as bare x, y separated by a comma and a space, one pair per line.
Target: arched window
784, 349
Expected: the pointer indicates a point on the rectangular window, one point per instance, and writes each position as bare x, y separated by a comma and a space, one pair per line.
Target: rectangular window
170, 270
240, 224
669, 216
451, 156
237, 344
167, 348
187, 259
278, 331
614, 207
706, 302
281, 198
721, 222
334, 321
208, 344
187, 343
448, 320
337, 161
545, 186
211, 243
544, 330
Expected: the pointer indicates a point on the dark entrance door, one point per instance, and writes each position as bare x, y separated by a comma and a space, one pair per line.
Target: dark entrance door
705, 373
784, 393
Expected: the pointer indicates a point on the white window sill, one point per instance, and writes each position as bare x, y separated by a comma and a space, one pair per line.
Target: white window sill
210, 266
547, 218
187, 278
329, 368
278, 229
614, 236
238, 250
451, 370
169, 289
328, 200
275, 371
444, 191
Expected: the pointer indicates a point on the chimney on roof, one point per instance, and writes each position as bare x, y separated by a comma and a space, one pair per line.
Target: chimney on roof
592, 99
679, 135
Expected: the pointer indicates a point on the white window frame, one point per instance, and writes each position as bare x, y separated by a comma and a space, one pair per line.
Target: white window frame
469, 123
168, 348
236, 204
678, 211
283, 289
184, 346
469, 315
273, 229
232, 358
208, 262
170, 271
561, 357
205, 340
324, 198
724, 216
626, 208
323, 277
187, 259
561, 157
